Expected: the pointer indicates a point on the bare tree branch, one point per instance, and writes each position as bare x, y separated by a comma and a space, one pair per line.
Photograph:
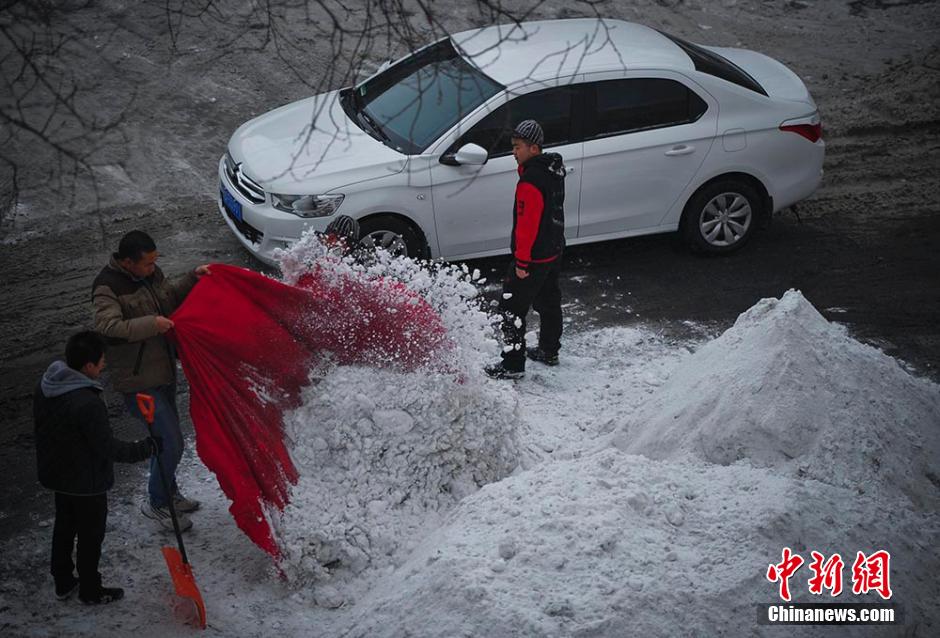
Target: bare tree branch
67, 101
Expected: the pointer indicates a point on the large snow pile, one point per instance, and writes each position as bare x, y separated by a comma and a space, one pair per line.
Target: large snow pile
620, 545
582, 539
784, 388
382, 453
763, 441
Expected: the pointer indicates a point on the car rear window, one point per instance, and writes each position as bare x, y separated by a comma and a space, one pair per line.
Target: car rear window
636, 104
713, 64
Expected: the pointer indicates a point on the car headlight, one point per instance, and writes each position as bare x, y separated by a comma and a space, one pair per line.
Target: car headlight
307, 205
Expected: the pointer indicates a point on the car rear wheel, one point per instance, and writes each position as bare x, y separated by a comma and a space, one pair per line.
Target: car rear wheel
721, 217
392, 234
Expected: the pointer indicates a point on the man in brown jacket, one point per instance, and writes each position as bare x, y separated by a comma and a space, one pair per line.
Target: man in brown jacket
133, 301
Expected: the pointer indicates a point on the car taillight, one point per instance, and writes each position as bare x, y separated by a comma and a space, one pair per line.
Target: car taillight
812, 132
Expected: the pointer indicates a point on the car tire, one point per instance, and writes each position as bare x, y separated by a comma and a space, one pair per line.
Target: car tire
393, 234
721, 217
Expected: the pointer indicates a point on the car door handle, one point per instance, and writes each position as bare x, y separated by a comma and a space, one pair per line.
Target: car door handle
680, 150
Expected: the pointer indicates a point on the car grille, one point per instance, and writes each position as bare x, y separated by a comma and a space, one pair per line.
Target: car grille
244, 184
250, 233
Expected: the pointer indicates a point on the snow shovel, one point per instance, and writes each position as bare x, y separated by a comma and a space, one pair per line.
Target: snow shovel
180, 570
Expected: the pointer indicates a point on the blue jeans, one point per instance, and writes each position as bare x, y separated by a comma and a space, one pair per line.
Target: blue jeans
166, 424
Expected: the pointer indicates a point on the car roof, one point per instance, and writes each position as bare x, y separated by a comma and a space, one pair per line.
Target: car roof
514, 54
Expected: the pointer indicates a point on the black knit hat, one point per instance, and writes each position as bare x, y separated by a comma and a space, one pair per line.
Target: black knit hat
530, 131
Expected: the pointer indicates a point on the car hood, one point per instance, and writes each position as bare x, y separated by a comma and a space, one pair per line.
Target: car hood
778, 80
310, 146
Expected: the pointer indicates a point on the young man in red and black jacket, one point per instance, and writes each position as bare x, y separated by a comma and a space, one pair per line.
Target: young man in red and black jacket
538, 240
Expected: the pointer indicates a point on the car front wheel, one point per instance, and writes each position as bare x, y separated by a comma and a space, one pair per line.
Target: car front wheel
721, 217
392, 234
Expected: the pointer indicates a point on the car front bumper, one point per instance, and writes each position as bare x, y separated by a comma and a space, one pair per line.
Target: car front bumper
262, 229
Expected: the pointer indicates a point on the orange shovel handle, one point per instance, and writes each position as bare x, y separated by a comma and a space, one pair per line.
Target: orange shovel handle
147, 406
180, 570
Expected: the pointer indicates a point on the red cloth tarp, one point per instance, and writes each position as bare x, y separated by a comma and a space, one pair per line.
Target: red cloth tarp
247, 342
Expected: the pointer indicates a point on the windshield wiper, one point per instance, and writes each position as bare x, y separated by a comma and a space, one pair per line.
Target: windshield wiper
354, 95
350, 99
372, 124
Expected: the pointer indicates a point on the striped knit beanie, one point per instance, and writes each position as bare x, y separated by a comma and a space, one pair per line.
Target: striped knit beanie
530, 131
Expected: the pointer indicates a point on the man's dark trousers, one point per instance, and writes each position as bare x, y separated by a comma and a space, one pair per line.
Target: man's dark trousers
84, 517
539, 291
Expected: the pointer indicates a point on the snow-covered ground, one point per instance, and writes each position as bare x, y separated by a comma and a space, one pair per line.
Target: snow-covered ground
640, 488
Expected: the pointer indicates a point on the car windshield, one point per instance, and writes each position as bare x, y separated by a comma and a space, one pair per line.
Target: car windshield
412, 103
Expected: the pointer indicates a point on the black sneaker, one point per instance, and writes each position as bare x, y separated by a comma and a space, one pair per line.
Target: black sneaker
537, 354
65, 592
103, 596
500, 371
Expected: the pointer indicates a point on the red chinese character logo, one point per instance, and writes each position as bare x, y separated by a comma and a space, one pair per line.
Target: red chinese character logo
872, 573
826, 576
783, 570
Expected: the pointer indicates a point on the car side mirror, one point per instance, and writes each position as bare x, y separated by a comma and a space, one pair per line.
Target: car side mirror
470, 154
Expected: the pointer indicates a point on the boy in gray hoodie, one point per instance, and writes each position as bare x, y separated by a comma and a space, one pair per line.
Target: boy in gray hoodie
75, 451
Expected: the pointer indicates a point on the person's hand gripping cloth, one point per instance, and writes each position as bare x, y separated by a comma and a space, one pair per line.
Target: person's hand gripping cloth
247, 343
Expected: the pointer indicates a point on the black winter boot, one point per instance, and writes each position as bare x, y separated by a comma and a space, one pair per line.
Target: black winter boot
103, 596
500, 371
64, 591
537, 354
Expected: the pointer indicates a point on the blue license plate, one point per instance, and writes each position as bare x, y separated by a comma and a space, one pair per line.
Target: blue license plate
232, 205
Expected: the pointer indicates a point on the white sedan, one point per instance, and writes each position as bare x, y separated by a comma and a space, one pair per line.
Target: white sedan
657, 134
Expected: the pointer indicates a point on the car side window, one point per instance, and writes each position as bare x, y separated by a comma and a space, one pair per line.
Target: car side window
636, 104
550, 107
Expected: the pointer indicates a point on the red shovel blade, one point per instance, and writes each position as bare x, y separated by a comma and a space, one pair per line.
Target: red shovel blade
184, 581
